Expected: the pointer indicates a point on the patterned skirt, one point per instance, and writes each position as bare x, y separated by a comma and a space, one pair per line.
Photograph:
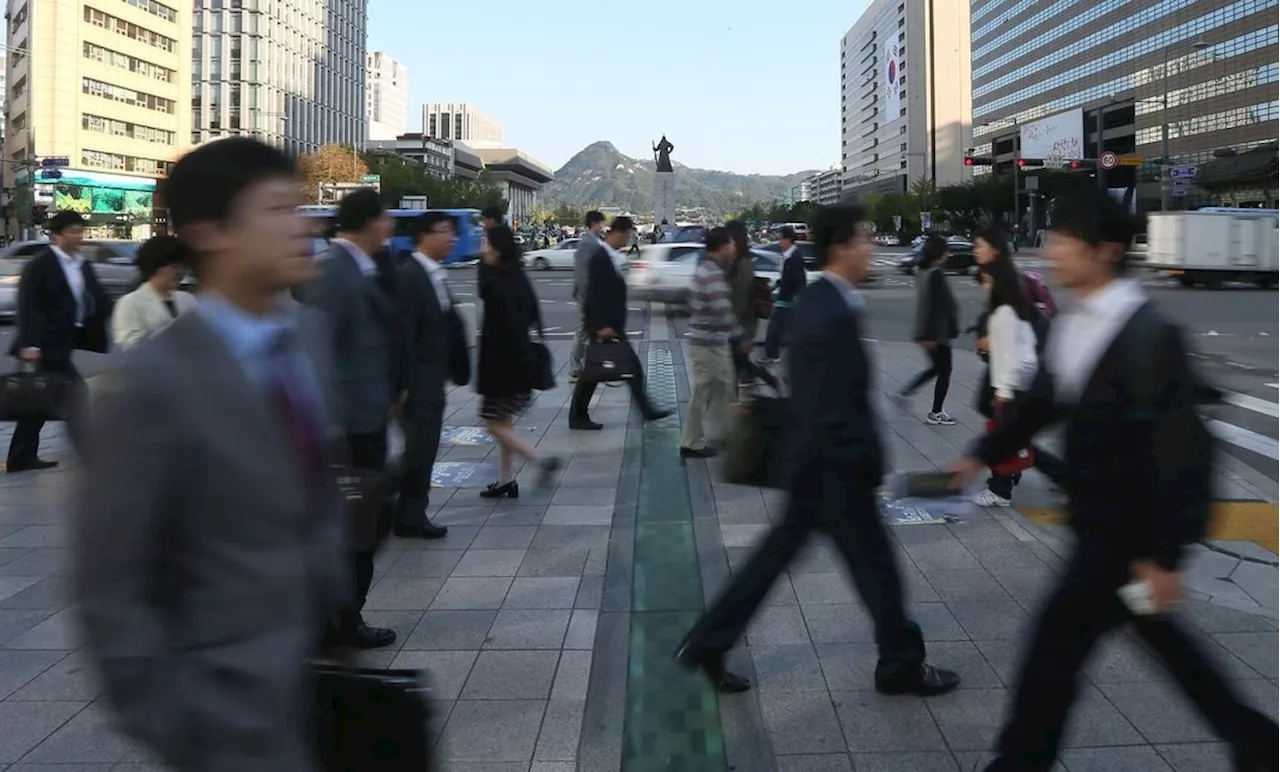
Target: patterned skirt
509, 406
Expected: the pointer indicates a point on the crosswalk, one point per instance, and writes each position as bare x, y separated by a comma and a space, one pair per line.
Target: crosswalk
1246, 422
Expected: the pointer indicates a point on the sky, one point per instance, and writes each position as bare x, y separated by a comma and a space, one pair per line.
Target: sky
746, 86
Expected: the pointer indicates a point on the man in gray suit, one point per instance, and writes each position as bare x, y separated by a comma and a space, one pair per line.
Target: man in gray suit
208, 538
581, 260
362, 318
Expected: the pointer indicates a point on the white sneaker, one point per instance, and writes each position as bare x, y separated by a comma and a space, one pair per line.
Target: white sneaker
989, 499
940, 418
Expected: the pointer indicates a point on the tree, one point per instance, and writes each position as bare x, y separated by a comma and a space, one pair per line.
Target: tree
330, 164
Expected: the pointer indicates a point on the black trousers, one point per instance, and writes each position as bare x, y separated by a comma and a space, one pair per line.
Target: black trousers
367, 451
25, 442
421, 444
939, 370
848, 513
585, 390
777, 332
1082, 609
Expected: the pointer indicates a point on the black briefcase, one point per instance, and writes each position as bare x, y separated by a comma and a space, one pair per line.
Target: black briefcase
365, 492
754, 448
371, 720
36, 394
608, 361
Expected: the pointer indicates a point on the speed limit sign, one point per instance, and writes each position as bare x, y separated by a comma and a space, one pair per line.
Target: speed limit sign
1108, 160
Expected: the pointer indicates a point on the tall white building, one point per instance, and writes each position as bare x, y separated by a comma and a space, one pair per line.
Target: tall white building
461, 122
905, 96
290, 72
386, 96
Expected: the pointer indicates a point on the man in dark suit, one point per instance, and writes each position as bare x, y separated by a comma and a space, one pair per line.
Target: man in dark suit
433, 351
604, 317
353, 291
61, 308
837, 466
790, 285
1138, 477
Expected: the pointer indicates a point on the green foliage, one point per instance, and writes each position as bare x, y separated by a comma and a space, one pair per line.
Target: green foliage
401, 177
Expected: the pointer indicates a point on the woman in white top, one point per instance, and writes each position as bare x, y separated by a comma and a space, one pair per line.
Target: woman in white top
157, 301
1011, 351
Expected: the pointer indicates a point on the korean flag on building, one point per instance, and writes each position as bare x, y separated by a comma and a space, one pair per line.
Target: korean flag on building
892, 80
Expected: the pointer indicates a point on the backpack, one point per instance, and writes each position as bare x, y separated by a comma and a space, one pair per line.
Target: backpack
1039, 294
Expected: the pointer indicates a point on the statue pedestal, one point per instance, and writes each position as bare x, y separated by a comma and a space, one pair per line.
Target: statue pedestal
664, 199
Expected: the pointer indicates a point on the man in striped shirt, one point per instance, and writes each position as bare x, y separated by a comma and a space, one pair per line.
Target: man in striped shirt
712, 325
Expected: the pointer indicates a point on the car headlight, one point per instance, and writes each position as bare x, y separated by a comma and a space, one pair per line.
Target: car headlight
10, 279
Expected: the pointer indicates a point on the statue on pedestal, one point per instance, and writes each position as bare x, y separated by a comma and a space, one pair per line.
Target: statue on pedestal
662, 154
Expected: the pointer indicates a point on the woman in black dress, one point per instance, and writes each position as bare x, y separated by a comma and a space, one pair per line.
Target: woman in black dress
508, 366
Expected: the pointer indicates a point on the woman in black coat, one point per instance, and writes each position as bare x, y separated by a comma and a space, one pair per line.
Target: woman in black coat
508, 365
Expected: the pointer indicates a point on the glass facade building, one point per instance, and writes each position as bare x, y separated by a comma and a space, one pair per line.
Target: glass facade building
290, 72
1205, 68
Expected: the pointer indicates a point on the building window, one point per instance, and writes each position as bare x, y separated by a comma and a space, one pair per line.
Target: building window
127, 96
129, 29
117, 128
116, 59
155, 9
124, 163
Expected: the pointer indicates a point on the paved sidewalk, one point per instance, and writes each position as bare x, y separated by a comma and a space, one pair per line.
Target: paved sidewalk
547, 622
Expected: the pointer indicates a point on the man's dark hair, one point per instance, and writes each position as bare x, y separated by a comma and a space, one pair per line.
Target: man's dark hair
206, 183
358, 209
835, 225
622, 224
159, 252
933, 249
63, 220
427, 222
717, 238
787, 232
1096, 218
494, 212
594, 217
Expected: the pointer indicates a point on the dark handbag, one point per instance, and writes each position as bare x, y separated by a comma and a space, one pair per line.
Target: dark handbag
371, 720
364, 493
36, 394
459, 355
754, 452
608, 361
762, 297
544, 371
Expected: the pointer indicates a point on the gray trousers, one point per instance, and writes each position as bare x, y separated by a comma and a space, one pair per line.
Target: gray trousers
579, 345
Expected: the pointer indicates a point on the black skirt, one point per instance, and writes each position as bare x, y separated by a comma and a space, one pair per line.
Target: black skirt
509, 406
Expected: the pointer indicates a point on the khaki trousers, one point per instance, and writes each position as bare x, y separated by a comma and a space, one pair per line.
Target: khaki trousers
713, 390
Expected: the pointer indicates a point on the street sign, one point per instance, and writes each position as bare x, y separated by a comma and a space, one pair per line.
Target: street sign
1182, 182
1108, 160
1179, 191
50, 174
1130, 160
53, 162
371, 178
1183, 172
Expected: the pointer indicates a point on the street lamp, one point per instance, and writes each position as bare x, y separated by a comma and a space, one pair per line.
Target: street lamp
1016, 148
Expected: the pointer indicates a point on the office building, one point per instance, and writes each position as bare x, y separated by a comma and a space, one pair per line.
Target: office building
102, 88
289, 72
797, 194
827, 186
386, 96
461, 121
905, 96
435, 154
1046, 76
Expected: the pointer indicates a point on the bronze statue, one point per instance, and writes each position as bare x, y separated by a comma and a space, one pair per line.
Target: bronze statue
662, 154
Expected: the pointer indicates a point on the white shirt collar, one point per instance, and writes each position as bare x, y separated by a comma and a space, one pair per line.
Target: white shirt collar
72, 259
1118, 299
788, 251
428, 263
366, 264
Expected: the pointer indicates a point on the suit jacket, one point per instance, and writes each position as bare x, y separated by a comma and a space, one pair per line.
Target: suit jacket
204, 559
793, 279
433, 345
47, 311
1139, 456
832, 427
142, 313
362, 320
507, 365
582, 261
605, 304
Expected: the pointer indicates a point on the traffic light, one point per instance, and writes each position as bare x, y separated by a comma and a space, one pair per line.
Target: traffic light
1030, 163
39, 213
1082, 163
978, 161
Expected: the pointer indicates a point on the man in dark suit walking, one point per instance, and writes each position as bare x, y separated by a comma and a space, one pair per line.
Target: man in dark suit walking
838, 463
433, 351
604, 317
61, 308
353, 291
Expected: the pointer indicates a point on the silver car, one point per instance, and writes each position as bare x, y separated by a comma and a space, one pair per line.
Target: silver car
113, 261
10, 272
558, 257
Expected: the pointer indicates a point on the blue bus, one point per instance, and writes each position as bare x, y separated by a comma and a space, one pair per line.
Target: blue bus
466, 222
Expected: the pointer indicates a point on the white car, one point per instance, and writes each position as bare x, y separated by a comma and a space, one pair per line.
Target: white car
664, 272
559, 257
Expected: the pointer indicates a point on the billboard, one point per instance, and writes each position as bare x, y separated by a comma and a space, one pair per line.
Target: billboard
101, 197
889, 80
1058, 136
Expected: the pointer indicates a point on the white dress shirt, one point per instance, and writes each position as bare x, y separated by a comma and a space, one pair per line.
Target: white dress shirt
363, 261
1082, 334
436, 274
73, 269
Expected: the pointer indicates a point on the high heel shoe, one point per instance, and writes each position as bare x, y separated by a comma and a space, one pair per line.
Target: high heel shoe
510, 490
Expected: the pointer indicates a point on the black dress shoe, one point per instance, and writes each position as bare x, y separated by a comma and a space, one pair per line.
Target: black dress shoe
547, 468
657, 415
712, 666
428, 531
704, 452
365, 637
510, 490
925, 681
585, 425
31, 466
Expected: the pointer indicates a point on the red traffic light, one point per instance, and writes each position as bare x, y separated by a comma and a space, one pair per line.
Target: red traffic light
968, 161
1022, 163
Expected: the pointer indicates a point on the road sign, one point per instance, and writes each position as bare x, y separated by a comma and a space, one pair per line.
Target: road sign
1179, 191
1130, 160
50, 174
1183, 172
53, 162
370, 178
1108, 160
1182, 182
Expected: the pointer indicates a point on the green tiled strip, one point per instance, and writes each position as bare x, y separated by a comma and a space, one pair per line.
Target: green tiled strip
673, 719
